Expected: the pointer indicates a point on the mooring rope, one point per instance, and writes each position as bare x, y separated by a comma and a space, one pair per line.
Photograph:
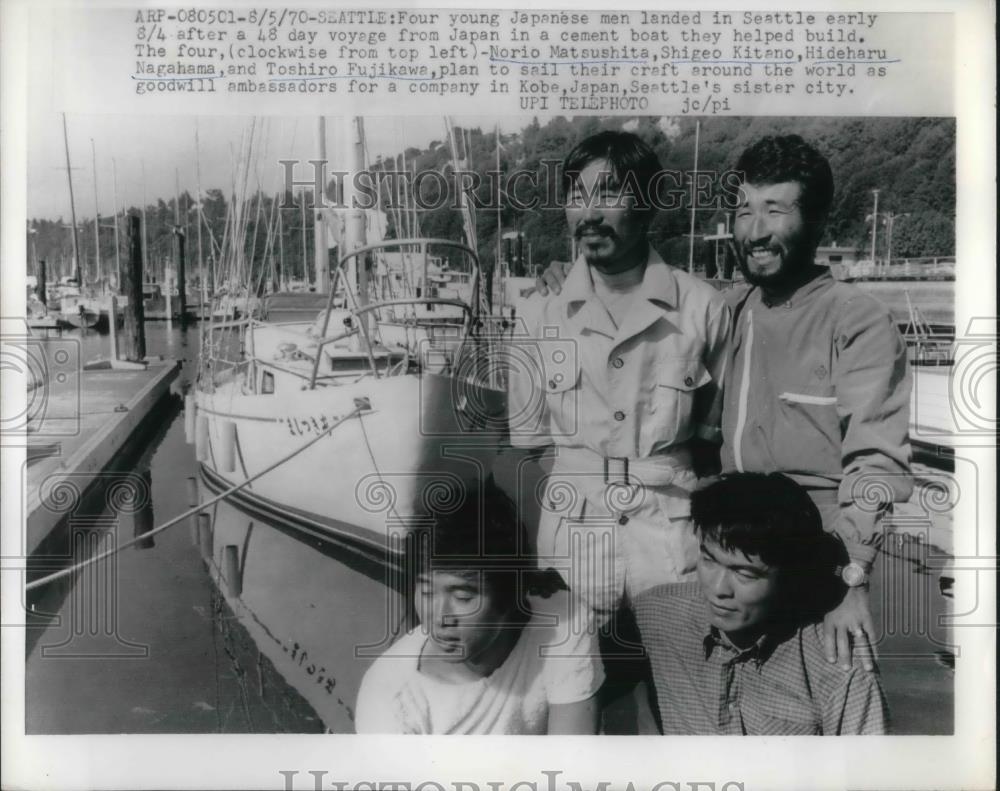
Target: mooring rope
195, 509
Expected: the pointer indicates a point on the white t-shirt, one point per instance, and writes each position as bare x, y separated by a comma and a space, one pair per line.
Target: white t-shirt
550, 664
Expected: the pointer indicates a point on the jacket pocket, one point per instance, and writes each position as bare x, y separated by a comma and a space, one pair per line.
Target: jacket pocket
807, 431
672, 399
561, 374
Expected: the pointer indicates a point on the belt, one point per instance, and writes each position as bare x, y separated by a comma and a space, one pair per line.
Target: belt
662, 469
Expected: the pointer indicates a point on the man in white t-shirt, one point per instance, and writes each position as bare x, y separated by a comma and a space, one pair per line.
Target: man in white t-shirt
487, 657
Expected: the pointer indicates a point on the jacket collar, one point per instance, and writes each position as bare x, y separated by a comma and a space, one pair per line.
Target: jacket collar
821, 279
658, 295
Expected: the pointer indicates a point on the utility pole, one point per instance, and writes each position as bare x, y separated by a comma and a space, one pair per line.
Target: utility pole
890, 219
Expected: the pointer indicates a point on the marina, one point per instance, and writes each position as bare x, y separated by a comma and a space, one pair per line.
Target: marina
219, 548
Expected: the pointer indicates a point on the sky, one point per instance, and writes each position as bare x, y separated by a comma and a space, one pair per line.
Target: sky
163, 148
152, 152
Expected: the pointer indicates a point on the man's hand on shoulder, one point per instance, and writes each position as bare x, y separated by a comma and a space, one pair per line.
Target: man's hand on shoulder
553, 278
849, 627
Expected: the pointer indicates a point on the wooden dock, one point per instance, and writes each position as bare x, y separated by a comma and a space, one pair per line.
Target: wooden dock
87, 418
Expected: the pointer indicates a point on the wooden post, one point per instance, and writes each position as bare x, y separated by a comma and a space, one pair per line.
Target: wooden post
113, 331
131, 286
167, 295
42, 285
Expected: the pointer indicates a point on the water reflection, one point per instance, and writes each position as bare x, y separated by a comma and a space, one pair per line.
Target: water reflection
318, 612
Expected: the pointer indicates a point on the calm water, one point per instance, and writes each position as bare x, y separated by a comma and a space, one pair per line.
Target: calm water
257, 628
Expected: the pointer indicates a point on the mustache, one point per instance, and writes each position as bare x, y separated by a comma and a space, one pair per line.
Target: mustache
599, 228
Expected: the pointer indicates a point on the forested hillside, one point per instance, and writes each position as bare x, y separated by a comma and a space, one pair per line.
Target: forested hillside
911, 161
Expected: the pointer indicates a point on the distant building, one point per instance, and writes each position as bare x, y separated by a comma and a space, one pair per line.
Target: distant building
846, 256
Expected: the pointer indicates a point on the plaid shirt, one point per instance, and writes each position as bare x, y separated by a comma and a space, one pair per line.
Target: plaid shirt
781, 685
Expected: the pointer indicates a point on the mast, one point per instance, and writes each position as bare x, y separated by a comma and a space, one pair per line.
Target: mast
354, 228
875, 192
281, 244
201, 260
321, 253
118, 246
694, 188
72, 206
305, 261
97, 218
145, 243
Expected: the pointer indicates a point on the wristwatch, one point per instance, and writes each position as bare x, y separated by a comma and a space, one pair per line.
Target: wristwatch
853, 574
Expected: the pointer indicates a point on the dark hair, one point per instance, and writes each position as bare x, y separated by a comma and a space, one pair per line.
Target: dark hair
482, 535
772, 517
767, 515
776, 159
633, 163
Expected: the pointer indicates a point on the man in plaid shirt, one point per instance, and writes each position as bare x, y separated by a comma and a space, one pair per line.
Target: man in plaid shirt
741, 650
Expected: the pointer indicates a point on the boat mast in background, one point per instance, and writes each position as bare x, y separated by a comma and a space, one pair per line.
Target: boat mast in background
321, 253
354, 226
200, 216
97, 220
118, 245
72, 206
694, 190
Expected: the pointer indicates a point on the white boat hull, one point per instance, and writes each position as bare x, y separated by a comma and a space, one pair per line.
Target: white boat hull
423, 438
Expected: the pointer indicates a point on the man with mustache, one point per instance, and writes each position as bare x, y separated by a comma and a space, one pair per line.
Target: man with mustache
818, 385
623, 378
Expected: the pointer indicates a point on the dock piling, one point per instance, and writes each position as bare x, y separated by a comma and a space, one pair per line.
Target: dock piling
131, 286
42, 285
113, 329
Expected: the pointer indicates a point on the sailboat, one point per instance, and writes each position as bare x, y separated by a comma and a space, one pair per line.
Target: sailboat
380, 407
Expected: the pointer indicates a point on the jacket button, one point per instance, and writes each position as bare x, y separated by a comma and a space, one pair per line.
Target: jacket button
618, 362
688, 381
619, 416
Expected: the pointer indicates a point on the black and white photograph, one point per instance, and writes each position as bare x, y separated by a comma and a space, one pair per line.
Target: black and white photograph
628, 399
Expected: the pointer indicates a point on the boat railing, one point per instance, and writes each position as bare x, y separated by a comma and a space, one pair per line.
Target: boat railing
360, 312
